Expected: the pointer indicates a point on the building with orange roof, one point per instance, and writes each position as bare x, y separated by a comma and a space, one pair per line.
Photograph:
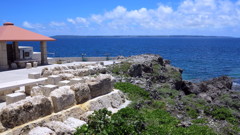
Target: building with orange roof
9, 53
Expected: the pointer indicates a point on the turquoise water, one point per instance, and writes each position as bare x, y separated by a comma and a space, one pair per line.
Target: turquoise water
201, 58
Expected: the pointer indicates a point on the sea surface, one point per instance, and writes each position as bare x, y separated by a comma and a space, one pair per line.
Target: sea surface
201, 58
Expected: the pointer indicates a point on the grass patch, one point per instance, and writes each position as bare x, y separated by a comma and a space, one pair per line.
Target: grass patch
221, 113
121, 68
166, 93
192, 112
200, 121
152, 118
134, 92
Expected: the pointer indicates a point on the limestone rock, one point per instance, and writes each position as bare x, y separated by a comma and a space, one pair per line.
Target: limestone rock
25, 110
74, 123
46, 72
113, 99
66, 76
41, 131
47, 89
82, 92
102, 85
62, 98
60, 128
37, 91
54, 79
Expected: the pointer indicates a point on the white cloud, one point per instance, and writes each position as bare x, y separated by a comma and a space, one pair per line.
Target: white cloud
33, 26
189, 17
190, 14
78, 20
27, 25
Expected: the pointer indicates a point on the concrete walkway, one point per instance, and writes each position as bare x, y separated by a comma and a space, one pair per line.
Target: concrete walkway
21, 74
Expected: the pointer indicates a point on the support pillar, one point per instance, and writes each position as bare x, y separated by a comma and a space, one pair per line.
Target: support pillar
3, 56
16, 51
44, 60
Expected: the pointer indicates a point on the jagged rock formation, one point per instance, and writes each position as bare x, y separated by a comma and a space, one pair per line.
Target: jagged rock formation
144, 70
212, 100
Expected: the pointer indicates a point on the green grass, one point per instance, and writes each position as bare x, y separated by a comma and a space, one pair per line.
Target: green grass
221, 113
121, 68
156, 69
167, 92
134, 92
200, 121
152, 118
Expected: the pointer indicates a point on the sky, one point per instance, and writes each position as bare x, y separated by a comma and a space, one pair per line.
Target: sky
125, 17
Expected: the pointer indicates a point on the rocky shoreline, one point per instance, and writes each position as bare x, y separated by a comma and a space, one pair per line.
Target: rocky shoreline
212, 100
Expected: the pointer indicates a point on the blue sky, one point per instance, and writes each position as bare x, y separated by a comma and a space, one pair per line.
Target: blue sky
125, 17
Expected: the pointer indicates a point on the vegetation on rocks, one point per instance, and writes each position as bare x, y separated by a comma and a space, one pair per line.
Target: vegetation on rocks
169, 105
149, 118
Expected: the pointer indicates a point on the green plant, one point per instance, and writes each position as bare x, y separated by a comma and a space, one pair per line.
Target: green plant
126, 121
134, 92
166, 92
121, 68
156, 69
192, 112
221, 113
194, 130
152, 118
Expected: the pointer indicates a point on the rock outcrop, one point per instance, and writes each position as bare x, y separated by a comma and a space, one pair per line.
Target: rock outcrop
59, 128
102, 85
213, 88
41, 131
82, 92
62, 98
24, 111
146, 69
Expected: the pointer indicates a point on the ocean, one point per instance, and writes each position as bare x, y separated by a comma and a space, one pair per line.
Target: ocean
201, 58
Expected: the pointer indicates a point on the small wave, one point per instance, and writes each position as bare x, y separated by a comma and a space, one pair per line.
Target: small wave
236, 86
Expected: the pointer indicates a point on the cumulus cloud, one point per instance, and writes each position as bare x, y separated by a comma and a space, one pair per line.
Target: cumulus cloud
188, 15
29, 25
78, 20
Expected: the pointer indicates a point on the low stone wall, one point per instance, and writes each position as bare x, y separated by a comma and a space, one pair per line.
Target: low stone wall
113, 100
55, 60
24, 111
50, 98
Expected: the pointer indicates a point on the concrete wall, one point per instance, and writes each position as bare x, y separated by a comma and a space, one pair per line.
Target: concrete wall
77, 59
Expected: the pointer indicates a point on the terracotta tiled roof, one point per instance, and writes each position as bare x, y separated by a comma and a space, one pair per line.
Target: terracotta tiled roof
9, 32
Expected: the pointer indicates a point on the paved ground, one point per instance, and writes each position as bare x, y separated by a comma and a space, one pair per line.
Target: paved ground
21, 74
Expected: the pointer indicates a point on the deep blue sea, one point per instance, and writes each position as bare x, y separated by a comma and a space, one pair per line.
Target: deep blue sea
201, 58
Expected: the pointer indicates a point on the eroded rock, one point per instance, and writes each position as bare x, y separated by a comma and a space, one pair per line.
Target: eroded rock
82, 92
62, 98
74, 123
60, 128
41, 131
25, 110
102, 85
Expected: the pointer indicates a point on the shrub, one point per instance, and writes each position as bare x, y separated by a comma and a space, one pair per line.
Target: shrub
221, 113
199, 121
192, 112
134, 92
127, 121
121, 68
166, 92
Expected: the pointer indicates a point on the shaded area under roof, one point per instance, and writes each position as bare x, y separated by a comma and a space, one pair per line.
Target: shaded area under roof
9, 32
